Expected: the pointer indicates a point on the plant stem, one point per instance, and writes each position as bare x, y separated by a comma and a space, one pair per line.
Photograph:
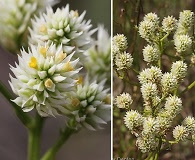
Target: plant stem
51, 153
188, 88
34, 137
24, 118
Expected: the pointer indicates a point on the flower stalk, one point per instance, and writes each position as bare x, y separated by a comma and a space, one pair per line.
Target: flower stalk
24, 118
51, 153
34, 137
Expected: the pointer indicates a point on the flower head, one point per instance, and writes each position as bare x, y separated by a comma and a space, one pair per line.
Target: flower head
124, 100
123, 61
149, 91
151, 54
148, 26
99, 56
147, 144
180, 133
169, 24
62, 27
169, 83
189, 123
15, 18
179, 70
185, 18
173, 105
150, 126
152, 74
90, 106
44, 77
133, 119
182, 42
120, 41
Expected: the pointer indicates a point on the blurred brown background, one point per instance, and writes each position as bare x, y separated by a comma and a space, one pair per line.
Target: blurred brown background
86, 145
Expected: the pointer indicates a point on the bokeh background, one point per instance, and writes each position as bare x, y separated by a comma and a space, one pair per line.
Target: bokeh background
126, 15
86, 145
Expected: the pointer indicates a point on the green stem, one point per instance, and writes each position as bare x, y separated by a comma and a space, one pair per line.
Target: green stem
51, 153
24, 118
34, 137
158, 149
188, 88
162, 39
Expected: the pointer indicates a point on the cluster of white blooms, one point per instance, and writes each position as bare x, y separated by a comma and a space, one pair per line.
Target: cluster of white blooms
133, 119
64, 26
173, 105
161, 103
47, 77
122, 59
169, 24
179, 70
151, 54
153, 74
15, 18
185, 20
124, 100
147, 144
91, 105
182, 40
99, 56
148, 27
182, 132
150, 30
119, 41
169, 83
43, 79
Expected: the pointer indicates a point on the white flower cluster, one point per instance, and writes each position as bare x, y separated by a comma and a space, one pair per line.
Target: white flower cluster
161, 103
15, 18
151, 54
119, 41
179, 70
99, 56
149, 26
169, 24
182, 132
158, 116
124, 100
133, 119
45, 76
64, 26
150, 30
182, 40
91, 105
122, 59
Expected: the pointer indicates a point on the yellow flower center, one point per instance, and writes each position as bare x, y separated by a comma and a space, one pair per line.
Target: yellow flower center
33, 62
61, 56
67, 67
75, 102
48, 83
80, 80
43, 50
76, 13
43, 28
107, 99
